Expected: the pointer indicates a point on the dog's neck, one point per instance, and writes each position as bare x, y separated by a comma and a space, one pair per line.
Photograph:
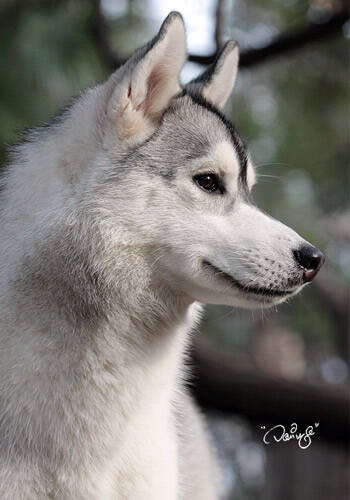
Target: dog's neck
105, 350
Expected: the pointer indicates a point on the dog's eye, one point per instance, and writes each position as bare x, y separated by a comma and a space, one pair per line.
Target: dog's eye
208, 182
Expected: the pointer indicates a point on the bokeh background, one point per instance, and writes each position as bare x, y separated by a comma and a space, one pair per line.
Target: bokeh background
291, 104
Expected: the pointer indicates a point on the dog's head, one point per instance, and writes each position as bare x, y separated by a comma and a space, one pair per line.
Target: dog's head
178, 177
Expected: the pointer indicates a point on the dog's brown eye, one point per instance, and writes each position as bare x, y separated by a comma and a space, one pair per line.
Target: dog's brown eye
209, 182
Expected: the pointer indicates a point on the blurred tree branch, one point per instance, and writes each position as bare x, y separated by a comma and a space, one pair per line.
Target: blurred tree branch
286, 42
219, 21
225, 383
283, 44
100, 34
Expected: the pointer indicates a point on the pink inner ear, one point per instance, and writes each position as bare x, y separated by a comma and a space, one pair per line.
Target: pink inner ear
157, 90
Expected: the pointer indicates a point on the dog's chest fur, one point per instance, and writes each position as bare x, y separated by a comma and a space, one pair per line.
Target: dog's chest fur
103, 421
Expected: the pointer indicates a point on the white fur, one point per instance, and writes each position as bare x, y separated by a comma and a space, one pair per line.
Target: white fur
219, 87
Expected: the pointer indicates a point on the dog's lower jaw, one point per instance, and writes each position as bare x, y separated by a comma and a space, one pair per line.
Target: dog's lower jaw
255, 294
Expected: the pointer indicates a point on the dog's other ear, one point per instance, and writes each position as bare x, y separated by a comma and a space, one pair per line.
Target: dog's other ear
217, 82
148, 80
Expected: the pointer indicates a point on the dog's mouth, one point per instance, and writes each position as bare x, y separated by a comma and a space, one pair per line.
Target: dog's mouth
255, 290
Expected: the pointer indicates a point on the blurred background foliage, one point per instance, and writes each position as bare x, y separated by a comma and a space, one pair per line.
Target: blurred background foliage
293, 112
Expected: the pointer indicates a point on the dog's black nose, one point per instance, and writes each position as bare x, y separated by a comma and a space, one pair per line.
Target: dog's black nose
310, 259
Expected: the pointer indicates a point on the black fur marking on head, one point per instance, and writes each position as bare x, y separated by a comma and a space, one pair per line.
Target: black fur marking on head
237, 141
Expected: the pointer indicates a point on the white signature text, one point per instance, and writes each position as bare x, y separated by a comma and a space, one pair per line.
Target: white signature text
279, 433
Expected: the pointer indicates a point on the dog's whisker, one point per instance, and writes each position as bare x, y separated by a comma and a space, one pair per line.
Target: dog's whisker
274, 164
268, 175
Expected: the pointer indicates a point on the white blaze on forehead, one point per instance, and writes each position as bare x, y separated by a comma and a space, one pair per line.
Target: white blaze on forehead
225, 158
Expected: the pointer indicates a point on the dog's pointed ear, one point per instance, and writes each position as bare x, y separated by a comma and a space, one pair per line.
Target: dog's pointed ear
217, 82
148, 80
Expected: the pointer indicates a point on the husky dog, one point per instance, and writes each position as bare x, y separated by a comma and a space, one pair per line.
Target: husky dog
116, 221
